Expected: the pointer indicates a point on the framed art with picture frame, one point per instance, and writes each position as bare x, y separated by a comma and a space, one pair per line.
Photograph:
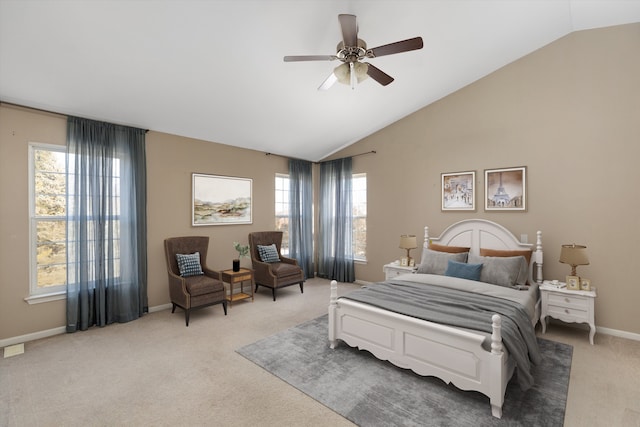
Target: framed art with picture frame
458, 191
505, 189
221, 200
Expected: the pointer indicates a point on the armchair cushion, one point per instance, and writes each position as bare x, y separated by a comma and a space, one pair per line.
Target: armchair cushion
282, 269
269, 253
202, 285
189, 264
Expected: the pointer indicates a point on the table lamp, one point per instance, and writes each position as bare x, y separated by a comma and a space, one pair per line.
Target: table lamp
574, 255
408, 242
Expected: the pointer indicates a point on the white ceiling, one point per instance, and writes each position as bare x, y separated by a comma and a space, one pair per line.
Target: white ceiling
213, 70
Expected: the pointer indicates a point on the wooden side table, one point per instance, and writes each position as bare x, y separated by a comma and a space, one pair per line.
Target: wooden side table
568, 306
233, 277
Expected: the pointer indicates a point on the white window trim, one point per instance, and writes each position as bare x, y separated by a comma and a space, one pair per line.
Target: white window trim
284, 250
46, 297
52, 293
356, 259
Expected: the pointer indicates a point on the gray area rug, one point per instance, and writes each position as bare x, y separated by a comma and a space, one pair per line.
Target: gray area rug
370, 392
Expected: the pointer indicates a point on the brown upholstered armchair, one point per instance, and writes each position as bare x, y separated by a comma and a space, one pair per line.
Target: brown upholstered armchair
200, 290
273, 275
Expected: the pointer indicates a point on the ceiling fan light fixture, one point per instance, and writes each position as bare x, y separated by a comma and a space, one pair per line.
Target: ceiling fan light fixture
343, 72
351, 51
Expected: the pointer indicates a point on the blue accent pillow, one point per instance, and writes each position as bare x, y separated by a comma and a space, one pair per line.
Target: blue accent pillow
463, 270
269, 253
189, 264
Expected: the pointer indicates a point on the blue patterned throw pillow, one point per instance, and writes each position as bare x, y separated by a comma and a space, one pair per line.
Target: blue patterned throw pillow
189, 264
269, 253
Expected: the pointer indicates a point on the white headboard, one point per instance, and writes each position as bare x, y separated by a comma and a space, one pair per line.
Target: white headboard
481, 233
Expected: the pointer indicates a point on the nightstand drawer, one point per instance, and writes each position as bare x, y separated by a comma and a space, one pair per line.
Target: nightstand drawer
564, 312
393, 272
574, 301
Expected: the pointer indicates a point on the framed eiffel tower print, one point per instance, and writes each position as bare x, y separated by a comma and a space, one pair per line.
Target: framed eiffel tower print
505, 189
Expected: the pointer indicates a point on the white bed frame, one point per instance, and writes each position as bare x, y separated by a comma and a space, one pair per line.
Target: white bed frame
431, 349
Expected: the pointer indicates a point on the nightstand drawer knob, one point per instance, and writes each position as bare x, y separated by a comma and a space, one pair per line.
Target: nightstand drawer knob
567, 300
567, 311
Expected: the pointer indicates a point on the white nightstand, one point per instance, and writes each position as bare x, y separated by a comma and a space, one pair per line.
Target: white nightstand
392, 270
568, 306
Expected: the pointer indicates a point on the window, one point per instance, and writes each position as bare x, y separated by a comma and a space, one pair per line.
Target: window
282, 210
48, 223
359, 201
48, 219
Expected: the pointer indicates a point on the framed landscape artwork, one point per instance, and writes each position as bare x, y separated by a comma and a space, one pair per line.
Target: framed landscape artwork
458, 191
221, 200
505, 189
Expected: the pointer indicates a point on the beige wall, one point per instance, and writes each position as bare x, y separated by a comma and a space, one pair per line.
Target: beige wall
570, 112
170, 162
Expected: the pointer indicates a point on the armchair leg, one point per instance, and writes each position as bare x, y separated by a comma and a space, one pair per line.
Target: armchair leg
173, 310
186, 316
256, 290
224, 306
273, 291
301, 287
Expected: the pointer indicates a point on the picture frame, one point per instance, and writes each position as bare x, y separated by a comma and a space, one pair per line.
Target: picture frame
585, 284
412, 262
220, 200
505, 189
458, 191
404, 261
573, 283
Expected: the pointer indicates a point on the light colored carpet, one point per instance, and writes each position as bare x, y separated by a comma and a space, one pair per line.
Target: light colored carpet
156, 372
371, 392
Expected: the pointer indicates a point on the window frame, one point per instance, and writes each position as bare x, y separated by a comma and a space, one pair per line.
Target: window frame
284, 203
355, 176
48, 293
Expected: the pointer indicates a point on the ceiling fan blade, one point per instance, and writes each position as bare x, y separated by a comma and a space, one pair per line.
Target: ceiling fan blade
397, 47
349, 30
378, 75
309, 58
329, 81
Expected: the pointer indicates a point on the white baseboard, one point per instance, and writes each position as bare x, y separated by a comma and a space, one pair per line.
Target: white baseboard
618, 333
33, 336
57, 331
160, 307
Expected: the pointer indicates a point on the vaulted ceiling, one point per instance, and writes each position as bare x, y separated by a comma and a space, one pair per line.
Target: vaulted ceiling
214, 70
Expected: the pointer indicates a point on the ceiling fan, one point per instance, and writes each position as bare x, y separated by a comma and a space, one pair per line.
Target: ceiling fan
351, 51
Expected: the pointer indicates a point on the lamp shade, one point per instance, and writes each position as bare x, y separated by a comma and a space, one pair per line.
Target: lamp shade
408, 241
343, 72
574, 255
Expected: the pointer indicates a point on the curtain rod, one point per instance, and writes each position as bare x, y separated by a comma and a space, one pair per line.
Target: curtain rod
42, 110
294, 158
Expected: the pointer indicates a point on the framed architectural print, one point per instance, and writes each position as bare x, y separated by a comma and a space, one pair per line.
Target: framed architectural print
505, 189
221, 200
585, 284
458, 191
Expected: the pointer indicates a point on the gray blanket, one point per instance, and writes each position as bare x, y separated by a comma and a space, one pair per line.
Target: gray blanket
462, 309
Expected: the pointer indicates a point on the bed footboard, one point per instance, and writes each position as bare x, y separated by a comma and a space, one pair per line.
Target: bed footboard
429, 349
